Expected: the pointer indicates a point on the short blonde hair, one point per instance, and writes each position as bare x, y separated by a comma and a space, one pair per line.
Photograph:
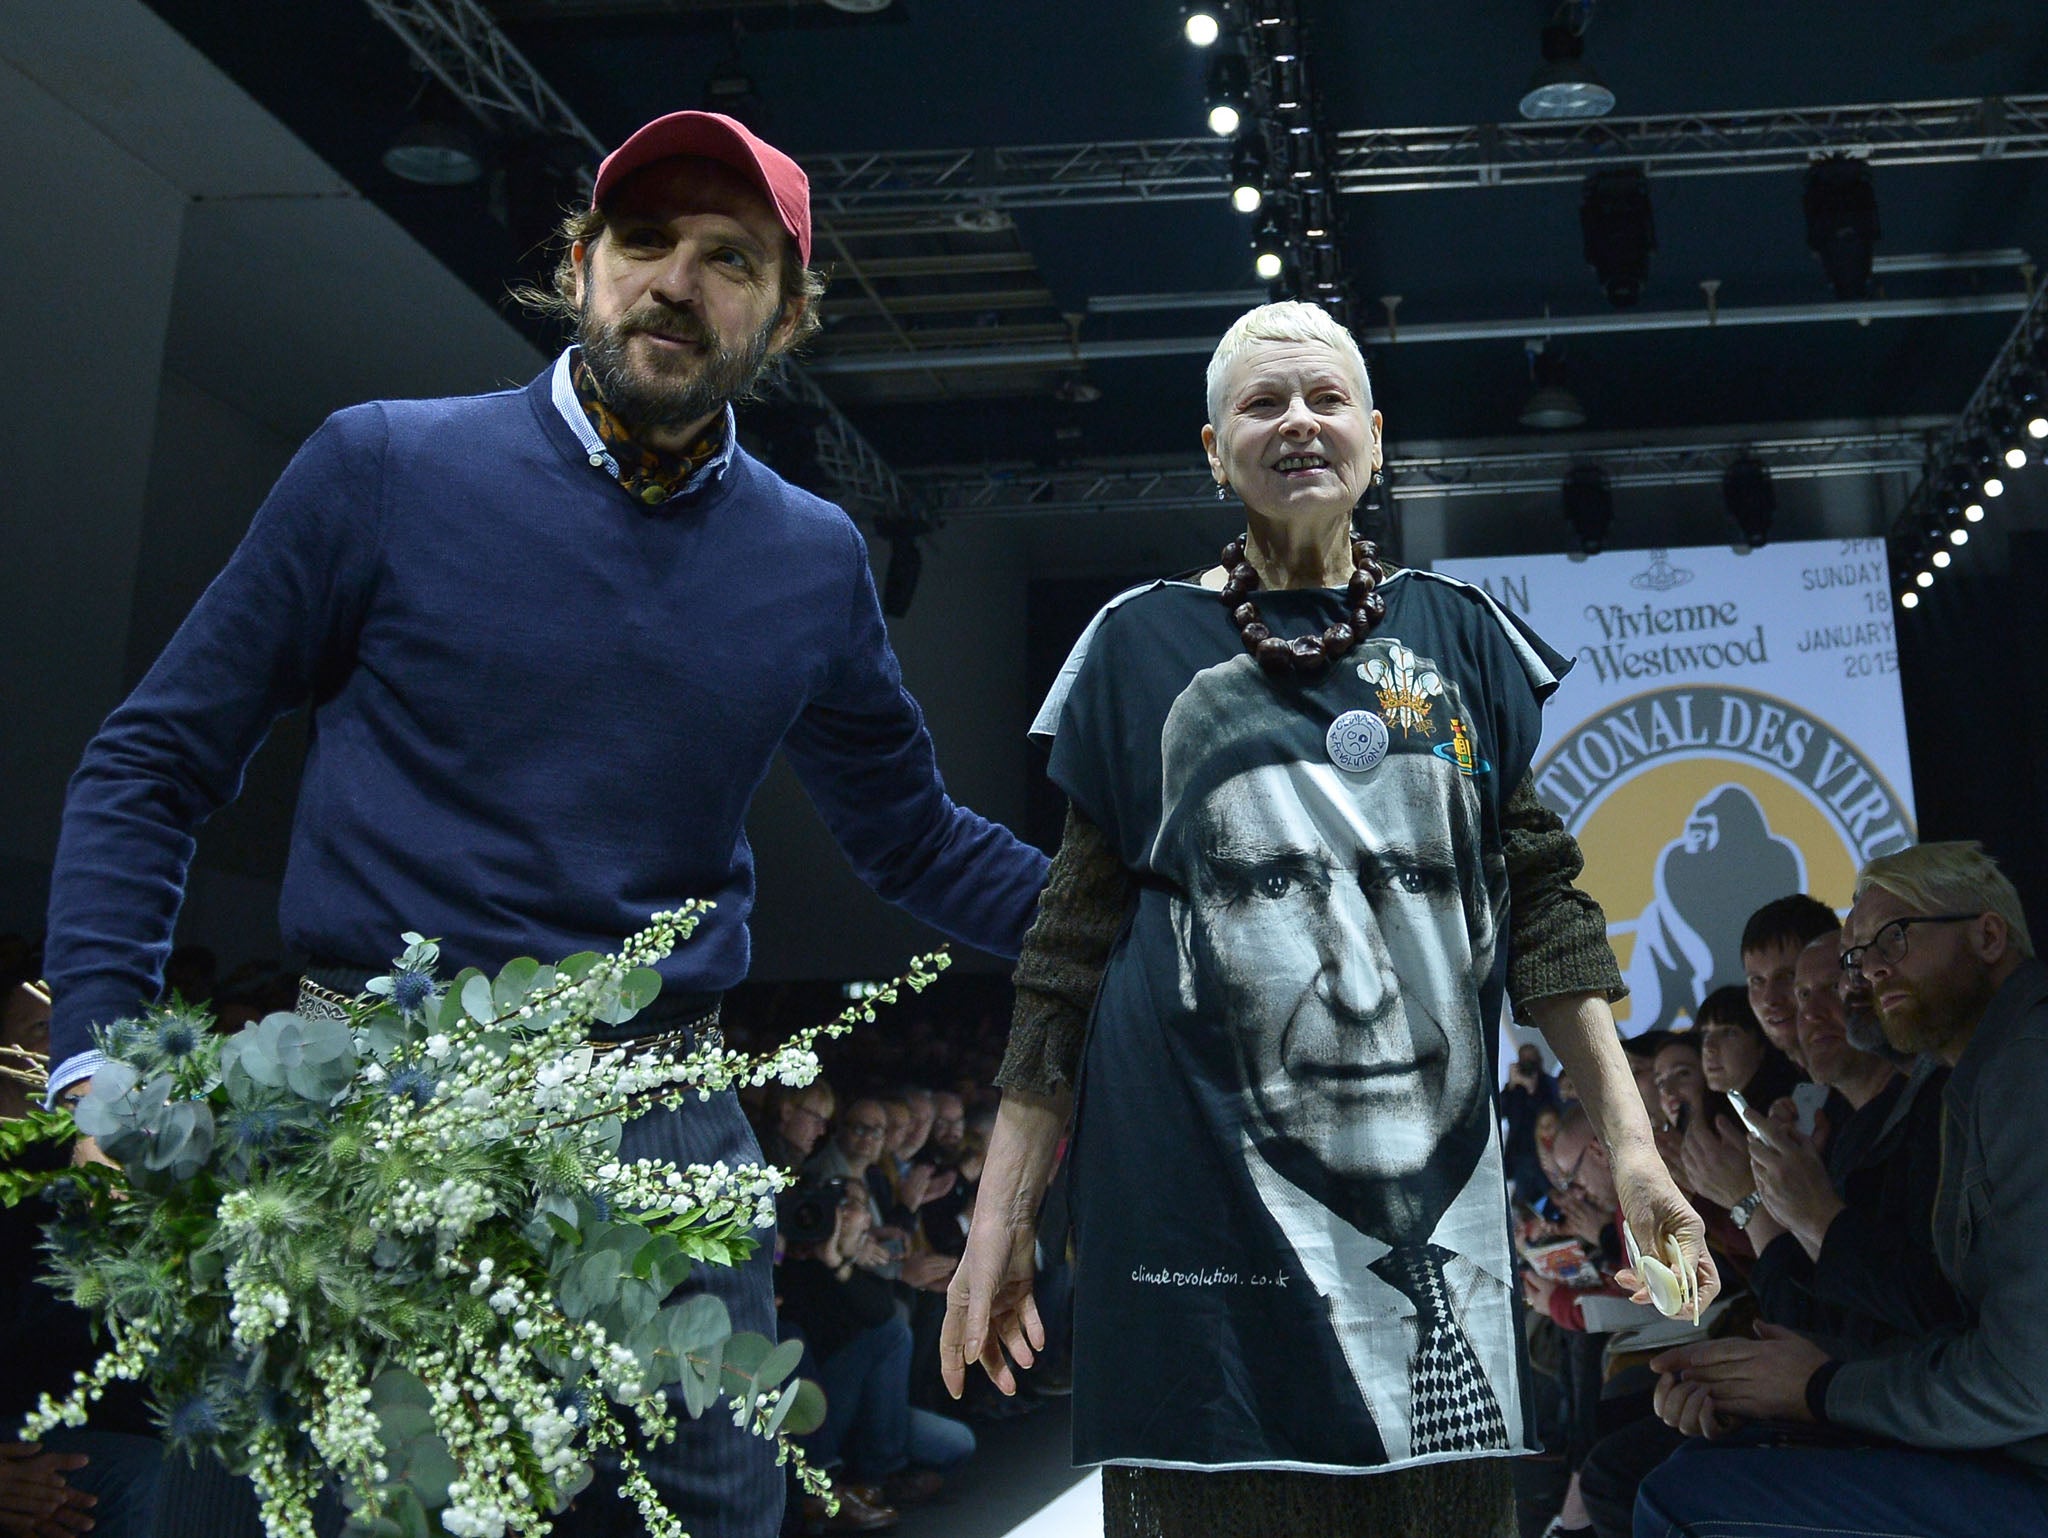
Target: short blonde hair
1289, 320
1954, 877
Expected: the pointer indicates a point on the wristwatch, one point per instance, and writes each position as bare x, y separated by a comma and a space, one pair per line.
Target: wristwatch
1745, 1209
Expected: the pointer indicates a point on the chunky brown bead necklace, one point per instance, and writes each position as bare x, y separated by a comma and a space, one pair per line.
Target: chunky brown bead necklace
1309, 653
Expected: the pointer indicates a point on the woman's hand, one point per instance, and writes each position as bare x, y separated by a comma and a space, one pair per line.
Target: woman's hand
1657, 1213
989, 1306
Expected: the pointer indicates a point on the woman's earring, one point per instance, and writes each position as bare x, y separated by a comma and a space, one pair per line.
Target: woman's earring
1223, 491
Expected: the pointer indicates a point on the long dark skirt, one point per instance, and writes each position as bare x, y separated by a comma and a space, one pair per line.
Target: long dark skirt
1470, 1498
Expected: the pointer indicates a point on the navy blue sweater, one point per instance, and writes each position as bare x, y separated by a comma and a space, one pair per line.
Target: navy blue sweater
539, 711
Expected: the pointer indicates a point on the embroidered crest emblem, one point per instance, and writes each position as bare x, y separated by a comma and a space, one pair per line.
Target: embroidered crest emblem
1406, 687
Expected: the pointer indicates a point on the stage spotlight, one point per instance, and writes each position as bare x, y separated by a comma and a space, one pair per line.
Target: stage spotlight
1619, 233
1752, 501
1269, 265
1564, 85
1958, 536
2030, 399
1924, 579
1909, 600
1941, 559
1588, 506
1229, 86
1841, 222
435, 153
1201, 27
1974, 512
1248, 172
1315, 214
2015, 458
1993, 486
1551, 405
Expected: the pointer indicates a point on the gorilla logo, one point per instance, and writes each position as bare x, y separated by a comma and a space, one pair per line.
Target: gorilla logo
1724, 866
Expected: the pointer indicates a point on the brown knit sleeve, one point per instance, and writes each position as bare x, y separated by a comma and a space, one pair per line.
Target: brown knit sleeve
1087, 894
1557, 933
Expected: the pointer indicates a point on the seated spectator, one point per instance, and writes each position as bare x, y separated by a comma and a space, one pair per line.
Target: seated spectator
1735, 1054
1873, 1198
1771, 942
1945, 1434
1705, 1149
884, 1452
105, 1476
800, 1119
1874, 1194
851, 1155
1528, 1090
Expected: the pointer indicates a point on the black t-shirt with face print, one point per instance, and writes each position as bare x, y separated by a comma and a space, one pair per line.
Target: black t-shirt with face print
1287, 1171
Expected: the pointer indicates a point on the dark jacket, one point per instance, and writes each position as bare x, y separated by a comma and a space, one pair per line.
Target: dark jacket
1876, 1278
1980, 1384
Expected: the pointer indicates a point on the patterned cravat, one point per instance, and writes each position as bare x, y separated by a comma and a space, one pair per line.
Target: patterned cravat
1452, 1407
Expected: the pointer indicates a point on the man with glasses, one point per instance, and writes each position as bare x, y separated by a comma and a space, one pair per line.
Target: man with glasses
1962, 1408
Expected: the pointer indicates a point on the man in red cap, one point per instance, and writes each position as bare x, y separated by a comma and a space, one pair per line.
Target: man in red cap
551, 639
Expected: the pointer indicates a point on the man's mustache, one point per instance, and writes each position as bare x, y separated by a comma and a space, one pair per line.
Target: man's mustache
676, 326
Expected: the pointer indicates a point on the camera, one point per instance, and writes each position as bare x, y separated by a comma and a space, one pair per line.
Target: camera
808, 1211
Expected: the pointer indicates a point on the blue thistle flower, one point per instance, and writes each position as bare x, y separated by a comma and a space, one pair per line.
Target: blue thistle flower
176, 1037
411, 988
413, 1081
253, 1128
193, 1418
602, 1203
574, 1403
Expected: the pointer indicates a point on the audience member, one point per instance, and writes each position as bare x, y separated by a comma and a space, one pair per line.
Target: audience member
851, 1155
885, 1453
800, 1119
1771, 942
1528, 1090
105, 1476
1736, 1055
1946, 1434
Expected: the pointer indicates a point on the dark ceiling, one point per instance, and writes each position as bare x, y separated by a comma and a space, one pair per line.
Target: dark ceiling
937, 74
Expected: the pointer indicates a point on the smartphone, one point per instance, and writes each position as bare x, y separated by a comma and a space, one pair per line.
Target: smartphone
1759, 1127
1809, 1098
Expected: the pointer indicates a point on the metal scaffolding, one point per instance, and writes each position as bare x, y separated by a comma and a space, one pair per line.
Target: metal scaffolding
459, 43
1038, 493
1419, 159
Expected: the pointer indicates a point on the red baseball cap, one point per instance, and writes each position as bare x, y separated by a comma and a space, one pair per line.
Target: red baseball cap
727, 141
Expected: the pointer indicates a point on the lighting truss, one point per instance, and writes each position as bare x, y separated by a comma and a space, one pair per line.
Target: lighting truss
459, 43
1922, 514
1423, 159
1037, 493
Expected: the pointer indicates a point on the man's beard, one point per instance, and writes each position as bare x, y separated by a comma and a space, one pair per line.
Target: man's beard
701, 386
1931, 1022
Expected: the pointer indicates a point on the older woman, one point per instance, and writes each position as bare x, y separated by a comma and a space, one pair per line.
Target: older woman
1303, 862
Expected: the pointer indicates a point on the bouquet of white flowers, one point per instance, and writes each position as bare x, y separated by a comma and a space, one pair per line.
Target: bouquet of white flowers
400, 1249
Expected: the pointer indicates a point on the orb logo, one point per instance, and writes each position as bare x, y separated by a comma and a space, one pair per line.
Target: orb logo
1696, 805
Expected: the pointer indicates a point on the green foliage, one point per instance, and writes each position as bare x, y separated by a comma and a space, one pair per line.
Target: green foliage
314, 1227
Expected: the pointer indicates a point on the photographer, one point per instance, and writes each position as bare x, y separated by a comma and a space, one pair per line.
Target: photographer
860, 1351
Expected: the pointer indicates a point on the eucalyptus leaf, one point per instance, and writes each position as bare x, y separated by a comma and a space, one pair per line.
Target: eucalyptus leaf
639, 987
477, 1001
98, 1113
515, 978
579, 966
701, 1370
598, 1276
396, 1386
777, 1365
697, 1322
578, 1481
808, 1409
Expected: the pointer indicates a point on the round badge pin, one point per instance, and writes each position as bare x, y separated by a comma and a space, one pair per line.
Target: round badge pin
1357, 741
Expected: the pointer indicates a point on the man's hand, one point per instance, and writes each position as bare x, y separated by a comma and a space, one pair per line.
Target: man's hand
36, 1501
1706, 1388
1795, 1186
1655, 1211
1536, 1291
1716, 1160
929, 1272
1583, 1219
914, 1189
